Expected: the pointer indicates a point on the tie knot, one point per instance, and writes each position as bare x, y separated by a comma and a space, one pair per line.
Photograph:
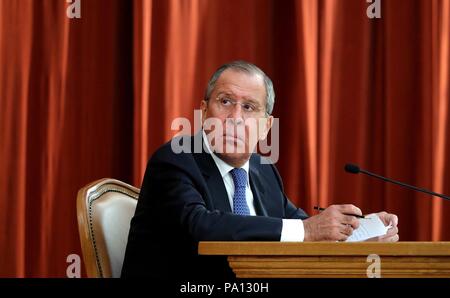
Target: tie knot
239, 177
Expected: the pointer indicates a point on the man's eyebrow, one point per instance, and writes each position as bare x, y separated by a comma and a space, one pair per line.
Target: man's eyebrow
252, 100
249, 99
227, 93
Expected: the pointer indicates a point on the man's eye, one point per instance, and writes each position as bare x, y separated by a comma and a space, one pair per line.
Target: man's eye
248, 107
226, 101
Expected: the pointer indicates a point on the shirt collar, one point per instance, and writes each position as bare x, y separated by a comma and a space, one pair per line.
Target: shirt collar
223, 167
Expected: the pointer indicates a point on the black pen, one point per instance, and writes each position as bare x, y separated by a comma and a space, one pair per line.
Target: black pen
355, 215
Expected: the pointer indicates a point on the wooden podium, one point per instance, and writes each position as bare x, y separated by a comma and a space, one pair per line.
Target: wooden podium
332, 259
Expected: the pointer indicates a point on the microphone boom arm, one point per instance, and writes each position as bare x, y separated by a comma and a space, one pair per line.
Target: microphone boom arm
405, 185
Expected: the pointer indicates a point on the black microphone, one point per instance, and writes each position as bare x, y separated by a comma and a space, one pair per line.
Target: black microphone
354, 169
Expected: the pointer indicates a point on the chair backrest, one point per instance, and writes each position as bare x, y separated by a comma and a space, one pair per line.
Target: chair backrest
104, 211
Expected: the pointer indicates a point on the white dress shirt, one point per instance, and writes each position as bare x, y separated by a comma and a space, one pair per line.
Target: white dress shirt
292, 229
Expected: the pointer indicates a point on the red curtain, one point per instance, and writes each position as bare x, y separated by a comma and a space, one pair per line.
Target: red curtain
82, 99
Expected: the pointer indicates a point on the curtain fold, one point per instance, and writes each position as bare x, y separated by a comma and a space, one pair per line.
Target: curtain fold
66, 116
440, 94
83, 99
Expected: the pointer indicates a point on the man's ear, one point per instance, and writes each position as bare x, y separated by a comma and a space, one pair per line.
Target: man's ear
203, 107
267, 127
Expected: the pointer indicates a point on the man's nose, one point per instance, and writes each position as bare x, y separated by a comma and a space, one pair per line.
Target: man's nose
236, 113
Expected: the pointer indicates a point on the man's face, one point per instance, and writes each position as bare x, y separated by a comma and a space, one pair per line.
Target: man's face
237, 104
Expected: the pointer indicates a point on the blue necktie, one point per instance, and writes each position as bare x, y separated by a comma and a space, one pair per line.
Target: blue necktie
240, 184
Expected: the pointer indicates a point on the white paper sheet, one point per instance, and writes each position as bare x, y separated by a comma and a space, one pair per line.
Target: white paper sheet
369, 227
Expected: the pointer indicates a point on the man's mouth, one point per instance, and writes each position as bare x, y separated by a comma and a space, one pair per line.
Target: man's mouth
233, 137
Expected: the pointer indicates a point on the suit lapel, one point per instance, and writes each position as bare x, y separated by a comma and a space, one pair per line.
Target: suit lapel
256, 184
214, 181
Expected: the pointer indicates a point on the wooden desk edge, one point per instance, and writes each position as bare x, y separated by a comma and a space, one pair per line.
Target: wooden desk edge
323, 248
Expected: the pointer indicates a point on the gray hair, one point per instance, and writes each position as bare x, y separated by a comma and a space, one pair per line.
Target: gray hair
249, 68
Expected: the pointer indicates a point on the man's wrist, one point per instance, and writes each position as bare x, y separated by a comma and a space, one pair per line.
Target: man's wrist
306, 228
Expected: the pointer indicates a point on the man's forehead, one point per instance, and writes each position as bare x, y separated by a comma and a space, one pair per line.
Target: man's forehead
240, 83
236, 74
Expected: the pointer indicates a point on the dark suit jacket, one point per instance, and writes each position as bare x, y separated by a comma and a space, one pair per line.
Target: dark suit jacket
183, 200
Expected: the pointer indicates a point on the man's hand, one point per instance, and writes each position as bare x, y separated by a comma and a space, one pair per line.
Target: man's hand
332, 224
392, 233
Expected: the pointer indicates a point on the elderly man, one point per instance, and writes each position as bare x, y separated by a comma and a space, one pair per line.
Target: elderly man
226, 192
